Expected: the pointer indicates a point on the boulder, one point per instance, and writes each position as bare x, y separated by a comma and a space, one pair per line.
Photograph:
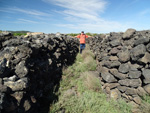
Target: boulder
125, 97
146, 73
146, 81
114, 51
135, 67
124, 56
115, 43
114, 64
131, 91
12, 78
134, 74
13, 42
147, 88
117, 74
122, 88
27, 105
129, 33
108, 77
3, 68
115, 94
141, 40
18, 85
128, 43
111, 85
4, 89
148, 47
18, 96
113, 58
111, 64
138, 52
141, 91
146, 58
21, 70
107, 90
124, 68
131, 82
137, 100
134, 107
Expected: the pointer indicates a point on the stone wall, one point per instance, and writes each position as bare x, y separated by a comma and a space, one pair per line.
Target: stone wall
124, 64
30, 70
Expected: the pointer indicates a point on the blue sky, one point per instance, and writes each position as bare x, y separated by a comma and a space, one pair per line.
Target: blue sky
74, 16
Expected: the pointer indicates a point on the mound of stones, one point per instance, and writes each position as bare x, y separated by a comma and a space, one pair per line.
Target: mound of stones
30, 68
124, 64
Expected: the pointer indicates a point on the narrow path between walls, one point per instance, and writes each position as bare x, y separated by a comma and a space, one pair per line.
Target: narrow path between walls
80, 90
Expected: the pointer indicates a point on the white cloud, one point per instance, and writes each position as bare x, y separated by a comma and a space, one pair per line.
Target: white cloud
25, 11
145, 12
98, 27
82, 9
26, 21
31, 12
86, 15
5, 10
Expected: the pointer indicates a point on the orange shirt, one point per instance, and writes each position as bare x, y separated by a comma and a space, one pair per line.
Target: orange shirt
82, 38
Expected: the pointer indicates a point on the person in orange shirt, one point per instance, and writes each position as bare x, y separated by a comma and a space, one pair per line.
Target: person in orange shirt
82, 38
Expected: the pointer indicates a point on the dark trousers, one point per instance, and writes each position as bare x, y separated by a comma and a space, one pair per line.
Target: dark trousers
82, 47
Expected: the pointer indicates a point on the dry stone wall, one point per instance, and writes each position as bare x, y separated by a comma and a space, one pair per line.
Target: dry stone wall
30, 68
124, 64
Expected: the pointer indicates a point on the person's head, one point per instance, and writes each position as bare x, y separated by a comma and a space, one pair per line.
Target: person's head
82, 32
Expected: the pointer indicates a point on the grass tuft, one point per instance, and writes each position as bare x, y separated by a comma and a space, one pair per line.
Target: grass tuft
91, 81
145, 106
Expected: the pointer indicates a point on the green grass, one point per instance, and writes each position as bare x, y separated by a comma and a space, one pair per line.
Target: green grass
146, 99
145, 106
88, 96
73, 34
19, 34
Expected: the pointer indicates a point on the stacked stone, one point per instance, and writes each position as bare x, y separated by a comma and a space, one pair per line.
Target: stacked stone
30, 68
123, 63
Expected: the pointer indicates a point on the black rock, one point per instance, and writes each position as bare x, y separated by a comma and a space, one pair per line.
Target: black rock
138, 52
131, 91
148, 47
115, 43
141, 40
21, 69
4, 71
131, 82
117, 74
129, 33
124, 68
146, 73
134, 74
108, 77
124, 56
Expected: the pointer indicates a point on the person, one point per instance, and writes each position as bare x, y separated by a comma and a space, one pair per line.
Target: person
82, 38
